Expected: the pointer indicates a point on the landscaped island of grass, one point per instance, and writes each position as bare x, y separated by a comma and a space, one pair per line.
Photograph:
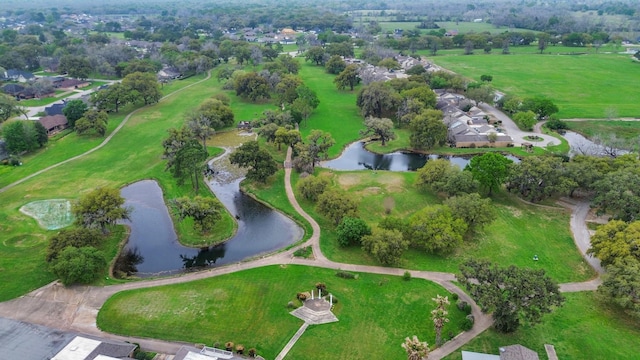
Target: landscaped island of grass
375, 313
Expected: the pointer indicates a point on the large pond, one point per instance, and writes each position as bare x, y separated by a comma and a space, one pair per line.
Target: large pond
356, 157
153, 248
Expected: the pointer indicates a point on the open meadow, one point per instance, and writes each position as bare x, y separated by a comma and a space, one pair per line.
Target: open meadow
582, 86
375, 312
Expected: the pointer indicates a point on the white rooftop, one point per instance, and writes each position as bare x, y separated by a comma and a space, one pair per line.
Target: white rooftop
78, 349
469, 355
104, 357
197, 356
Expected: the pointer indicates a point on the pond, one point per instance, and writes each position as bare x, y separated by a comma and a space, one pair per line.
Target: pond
356, 157
580, 145
153, 248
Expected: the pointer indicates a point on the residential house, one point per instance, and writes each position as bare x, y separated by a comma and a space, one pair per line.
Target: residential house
54, 123
168, 73
55, 109
18, 75
70, 84
206, 353
511, 352
13, 89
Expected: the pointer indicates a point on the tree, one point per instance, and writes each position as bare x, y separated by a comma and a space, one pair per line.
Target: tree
335, 65
347, 78
19, 136
79, 265
204, 211
75, 66
288, 63
525, 119
216, 112
305, 103
252, 86
8, 107
145, 86
616, 240
439, 316
618, 194
351, 230
317, 144
336, 205
378, 99
287, 136
511, 294
260, 163
41, 136
386, 246
76, 237
176, 141
435, 229
475, 211
427, 130
538, 177
74, 110
481, 94
92, 121
200, 127
113, 97
621, 284
189, 163
432, 172
486, 78
100, 208
286, 92
542, 107
415, 349
424, 94
268, 131
311, 187
315, 54
490, 170
380, 128
543, 40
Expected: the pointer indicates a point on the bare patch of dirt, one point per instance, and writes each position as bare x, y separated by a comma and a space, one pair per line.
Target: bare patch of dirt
370, 191
514, 211
348, 180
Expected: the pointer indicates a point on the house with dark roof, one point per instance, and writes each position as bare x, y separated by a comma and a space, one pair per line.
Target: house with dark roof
511, 352
13, 89
18, 75
54, 123
73, 84
55, 109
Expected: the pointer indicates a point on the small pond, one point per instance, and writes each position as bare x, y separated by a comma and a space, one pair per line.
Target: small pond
153, 248
356, 157
580, 145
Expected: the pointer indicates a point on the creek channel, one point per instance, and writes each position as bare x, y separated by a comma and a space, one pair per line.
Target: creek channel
356, 157
153, 248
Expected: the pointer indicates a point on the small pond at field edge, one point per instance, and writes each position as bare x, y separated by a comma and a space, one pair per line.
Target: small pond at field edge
356, 157
153, 248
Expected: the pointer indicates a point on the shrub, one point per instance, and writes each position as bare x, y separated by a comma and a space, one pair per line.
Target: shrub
239, 349
304, 252
346, 275
454, 296
461, 304
229, 346
322, 287
351, 230
252, 352
301, 296
467, 323
291, 305
406, 276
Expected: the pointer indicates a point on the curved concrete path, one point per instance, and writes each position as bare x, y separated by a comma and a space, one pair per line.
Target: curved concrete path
514, 131
76, 308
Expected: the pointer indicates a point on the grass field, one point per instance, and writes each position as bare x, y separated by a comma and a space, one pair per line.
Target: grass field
133, 154
519, 232
629, 130
583, 328
582, 86
376, 313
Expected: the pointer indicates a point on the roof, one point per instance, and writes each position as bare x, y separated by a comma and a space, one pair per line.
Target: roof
78, 349
13, 89
13, 73
71, 83
50, 122
192, 353
468, 355
517, 352
55, 109
20, 340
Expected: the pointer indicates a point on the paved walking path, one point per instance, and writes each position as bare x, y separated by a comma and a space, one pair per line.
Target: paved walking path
512, 129
76, 307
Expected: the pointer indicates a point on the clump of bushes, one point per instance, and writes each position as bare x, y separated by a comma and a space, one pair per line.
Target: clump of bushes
346, 275
467, 323
240, 349
406, 276
302, 296
464, 306
229, 346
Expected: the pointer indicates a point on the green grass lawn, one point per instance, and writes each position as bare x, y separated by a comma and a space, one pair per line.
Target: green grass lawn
583, 328
133, 154
375, 313
44, 101
628, 130
519, 232
582, 86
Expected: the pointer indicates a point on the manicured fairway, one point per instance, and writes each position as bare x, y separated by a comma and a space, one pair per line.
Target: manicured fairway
375, 313
519, 232
629, 130
584, 328
133, 154
583, 86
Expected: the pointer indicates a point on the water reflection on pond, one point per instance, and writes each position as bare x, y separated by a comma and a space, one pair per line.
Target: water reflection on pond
356, 157
153, 248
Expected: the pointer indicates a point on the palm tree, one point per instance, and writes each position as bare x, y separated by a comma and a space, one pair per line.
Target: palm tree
439, 316
415, 349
